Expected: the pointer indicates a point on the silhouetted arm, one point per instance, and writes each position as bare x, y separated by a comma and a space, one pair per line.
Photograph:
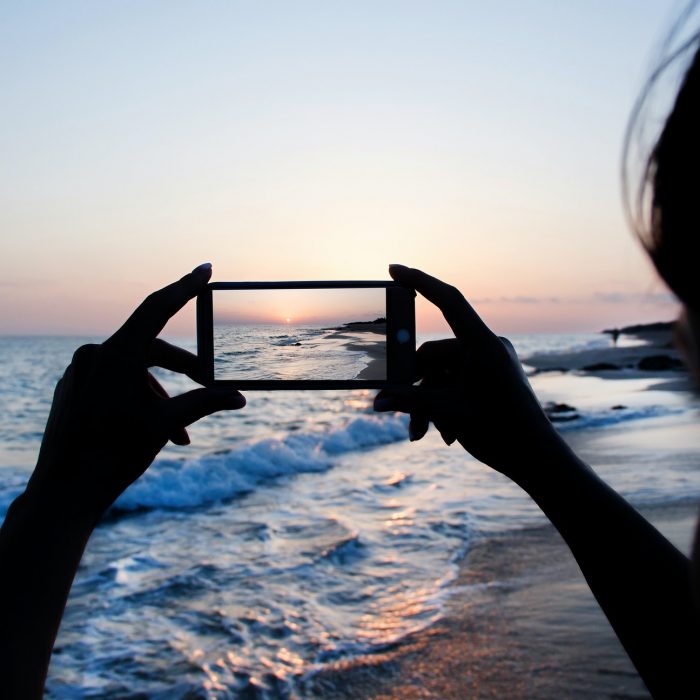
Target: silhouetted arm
474, 391
40, 548
108, 421
641, 581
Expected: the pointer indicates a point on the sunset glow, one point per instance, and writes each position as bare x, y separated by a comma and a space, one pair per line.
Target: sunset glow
310, 306
480, 142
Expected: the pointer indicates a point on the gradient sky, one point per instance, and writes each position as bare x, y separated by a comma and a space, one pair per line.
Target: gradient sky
322, 140
298, 306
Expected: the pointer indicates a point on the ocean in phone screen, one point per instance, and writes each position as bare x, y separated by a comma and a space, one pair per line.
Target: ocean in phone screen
300, 334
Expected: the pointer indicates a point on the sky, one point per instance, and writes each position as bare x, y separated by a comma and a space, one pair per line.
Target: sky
301, 140
298, 306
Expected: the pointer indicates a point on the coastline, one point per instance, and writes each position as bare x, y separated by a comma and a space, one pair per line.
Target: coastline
642, 353
375, 350
376, 367
519, 619
520, 623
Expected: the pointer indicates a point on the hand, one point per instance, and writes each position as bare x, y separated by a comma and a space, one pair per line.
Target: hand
110, 417
472, 388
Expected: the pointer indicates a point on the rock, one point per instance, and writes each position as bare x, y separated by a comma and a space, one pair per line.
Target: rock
600, 367
618, 407
297, 344
558, 418
657, 327
552, 407
656, 363
560, 412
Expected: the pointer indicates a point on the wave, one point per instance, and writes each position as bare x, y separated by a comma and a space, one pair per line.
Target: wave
222, 476
234, 353
192, 483
196, 482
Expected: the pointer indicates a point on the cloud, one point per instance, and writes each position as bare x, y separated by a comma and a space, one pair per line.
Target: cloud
519, 299
644, 298
635, 298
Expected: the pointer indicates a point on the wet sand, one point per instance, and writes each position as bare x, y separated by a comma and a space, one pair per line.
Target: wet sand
376, 369
520, 623
374, 349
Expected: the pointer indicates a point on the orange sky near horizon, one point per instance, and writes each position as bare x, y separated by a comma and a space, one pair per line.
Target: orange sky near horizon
298, 306
313, 141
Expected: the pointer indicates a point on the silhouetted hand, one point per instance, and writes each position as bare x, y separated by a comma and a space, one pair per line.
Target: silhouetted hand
110, 417
472, 387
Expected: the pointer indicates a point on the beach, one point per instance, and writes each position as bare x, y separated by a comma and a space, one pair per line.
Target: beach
303, 547
375, 350
520, 621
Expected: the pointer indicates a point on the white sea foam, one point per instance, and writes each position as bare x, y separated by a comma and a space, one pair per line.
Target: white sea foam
220, 476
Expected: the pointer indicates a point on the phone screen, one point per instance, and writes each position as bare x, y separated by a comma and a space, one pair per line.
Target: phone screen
300, 334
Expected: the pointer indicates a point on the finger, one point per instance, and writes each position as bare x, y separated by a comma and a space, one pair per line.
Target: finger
418, 426
414, 399
178, 435
393, 400
458, 313
405, 402
141, 328
447, 434
163, 354
438, 355
189, 407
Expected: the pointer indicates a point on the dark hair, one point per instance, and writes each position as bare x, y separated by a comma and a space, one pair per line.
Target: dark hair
665, 213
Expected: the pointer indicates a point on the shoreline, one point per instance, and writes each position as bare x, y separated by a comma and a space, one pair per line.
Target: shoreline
520, 623
654, 355
375, 350
376, 367
519, 620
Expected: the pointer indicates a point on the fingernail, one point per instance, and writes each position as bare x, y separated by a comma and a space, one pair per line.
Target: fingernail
202, 268
383, 404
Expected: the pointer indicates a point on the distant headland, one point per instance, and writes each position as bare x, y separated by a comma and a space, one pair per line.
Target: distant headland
376, 326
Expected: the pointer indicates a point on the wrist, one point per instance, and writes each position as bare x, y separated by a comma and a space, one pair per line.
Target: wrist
56, 507
552, 467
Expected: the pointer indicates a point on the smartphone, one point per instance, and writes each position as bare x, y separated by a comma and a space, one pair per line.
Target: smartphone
307, 335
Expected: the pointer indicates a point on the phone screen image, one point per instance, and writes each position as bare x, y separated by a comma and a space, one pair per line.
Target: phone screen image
300, 334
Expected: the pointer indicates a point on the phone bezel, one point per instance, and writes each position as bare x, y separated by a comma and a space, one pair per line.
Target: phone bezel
400, 315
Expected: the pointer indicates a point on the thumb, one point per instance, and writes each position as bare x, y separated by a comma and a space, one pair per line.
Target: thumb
189, 407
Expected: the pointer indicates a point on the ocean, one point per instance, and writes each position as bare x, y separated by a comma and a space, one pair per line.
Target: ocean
301, 530
264, 352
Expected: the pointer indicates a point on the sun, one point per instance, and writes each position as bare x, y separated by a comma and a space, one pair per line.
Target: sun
287, 320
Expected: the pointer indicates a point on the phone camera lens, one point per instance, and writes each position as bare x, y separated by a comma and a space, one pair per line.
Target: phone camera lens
402, 336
